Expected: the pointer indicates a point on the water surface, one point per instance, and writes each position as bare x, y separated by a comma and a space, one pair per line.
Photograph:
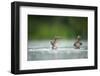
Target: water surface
41, 50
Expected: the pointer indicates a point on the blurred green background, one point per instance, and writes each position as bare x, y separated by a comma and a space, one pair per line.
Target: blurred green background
67, 27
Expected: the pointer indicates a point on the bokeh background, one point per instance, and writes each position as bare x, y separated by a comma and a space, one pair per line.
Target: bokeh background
46, 27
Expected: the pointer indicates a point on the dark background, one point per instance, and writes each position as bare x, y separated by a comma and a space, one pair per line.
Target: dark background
46, 27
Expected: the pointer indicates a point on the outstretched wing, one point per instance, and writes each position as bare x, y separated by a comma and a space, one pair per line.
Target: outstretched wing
51, 42
80, 43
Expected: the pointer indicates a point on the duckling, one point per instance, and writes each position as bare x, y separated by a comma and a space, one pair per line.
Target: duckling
54, 42
77, 44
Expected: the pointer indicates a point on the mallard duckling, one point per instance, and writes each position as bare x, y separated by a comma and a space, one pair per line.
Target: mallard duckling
77, 44
54, 42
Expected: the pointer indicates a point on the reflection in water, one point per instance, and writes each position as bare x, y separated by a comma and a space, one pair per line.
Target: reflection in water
41, 50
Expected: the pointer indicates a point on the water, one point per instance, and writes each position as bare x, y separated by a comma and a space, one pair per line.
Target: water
41, 50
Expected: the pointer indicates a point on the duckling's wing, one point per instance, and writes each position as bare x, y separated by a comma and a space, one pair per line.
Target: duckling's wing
80, 43
74, 44
51, 42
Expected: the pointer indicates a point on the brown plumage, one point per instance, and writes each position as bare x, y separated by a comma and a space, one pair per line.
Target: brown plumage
54, 42
77, 44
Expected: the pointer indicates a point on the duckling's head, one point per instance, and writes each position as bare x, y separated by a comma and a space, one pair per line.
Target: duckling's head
78, 37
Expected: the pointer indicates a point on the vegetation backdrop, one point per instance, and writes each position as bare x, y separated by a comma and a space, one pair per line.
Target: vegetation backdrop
46, 27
